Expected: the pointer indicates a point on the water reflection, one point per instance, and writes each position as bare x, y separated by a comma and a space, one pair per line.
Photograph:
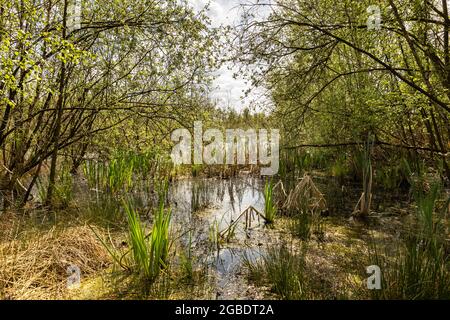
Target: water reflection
214, 199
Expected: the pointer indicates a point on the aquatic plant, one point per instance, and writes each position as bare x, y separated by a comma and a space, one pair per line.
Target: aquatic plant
279, 193
64, 187
270, 208
214, 234
249, 215
304, 204
296, 161
365, 201
126, 170
120, 174
199, 198
196, 170
305, 223
160, 239
150, 252
339, 169
420, 268
228, 234
301, 225
186, 259
105, 209
281, 269
140, 245
394, 175
63, 192
95, 174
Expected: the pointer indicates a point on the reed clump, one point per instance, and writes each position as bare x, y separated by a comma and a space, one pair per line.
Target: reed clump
282, 269
126, 170
304, 205
141, 260
420, 268
148, 253
270, 207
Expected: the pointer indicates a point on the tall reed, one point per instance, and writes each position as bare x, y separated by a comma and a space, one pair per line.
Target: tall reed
150, 252
125, 169
420, 269
160, 239
270, 208
365, 200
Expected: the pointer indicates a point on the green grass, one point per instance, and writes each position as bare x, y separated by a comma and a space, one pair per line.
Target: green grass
140, 246
416, 271
160, 239
196, 169
64, 187
126, 170
63, 193
295, 162
105, 210
304, 224
301, 225
270, 208
282, 269
420, 269
214, 235
339, 168
150, 252
186, 260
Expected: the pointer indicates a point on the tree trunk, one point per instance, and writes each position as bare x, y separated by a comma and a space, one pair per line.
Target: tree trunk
59, 107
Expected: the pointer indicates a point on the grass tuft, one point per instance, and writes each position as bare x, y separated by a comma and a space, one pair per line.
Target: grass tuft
270, 208
282, 269
150, 252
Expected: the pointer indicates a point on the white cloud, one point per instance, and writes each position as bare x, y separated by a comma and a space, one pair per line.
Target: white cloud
221, 12
226, 90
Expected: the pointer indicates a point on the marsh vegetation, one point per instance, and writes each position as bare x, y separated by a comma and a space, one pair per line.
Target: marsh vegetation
87, 182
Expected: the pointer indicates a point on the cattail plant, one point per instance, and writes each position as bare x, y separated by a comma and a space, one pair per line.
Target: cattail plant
365, 200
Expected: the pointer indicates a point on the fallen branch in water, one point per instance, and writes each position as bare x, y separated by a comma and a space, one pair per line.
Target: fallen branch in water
248, 213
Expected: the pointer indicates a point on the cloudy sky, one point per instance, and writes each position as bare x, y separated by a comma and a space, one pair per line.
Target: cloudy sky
226, 90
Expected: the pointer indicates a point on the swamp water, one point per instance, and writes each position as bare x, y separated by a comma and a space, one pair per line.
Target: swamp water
203, 208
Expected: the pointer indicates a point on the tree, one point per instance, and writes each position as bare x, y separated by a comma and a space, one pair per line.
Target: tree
130, 60
320, 61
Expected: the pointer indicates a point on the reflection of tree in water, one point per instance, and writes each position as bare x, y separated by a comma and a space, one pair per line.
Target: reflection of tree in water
231, 194
220, 192
201, 195
240, 188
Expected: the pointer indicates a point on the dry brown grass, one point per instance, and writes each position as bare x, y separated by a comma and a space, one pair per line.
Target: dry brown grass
305, 195
33, 263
